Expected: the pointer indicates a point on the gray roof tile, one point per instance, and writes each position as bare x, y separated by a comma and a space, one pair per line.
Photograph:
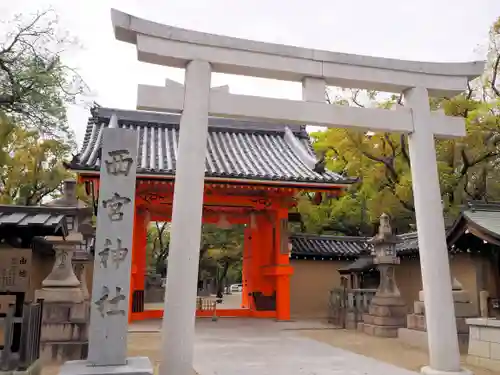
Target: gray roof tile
488, 220
344, 246
327, 246
32, 218
235, 149
484, 217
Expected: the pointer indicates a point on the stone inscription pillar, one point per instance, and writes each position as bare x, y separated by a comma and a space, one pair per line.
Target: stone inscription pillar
436, 279
113, 249
181, 288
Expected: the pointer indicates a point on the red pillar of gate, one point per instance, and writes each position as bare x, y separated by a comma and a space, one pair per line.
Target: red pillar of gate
245, 274
138, 271
282, 269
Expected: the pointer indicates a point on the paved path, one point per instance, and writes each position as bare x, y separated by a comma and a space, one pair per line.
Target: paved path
236, 346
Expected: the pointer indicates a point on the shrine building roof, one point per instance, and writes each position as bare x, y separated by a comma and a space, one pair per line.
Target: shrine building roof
22, 223
477, 220
311, 245
236, 150
307, 246
476, 229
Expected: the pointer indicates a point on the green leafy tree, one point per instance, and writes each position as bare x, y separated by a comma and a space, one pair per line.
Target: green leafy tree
158, 241
31, 168
35, 87
468, 167
221, 254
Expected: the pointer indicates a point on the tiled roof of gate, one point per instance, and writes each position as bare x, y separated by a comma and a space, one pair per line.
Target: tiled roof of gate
310, 245
235, 149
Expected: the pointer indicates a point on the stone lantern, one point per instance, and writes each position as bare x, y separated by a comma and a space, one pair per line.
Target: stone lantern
385, 257
387, 310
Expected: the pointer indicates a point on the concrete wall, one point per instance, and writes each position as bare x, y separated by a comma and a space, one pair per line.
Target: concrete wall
312, 281
467, 269
310, 285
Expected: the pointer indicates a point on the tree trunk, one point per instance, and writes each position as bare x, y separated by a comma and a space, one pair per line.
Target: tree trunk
222, 276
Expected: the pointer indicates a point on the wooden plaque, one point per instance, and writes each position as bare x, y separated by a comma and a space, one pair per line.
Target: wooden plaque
15, 267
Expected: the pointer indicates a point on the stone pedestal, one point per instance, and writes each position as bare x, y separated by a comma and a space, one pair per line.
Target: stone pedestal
415, 333
66, 308
134, 366
386, 315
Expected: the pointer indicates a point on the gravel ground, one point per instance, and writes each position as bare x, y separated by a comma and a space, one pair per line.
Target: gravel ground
384, 349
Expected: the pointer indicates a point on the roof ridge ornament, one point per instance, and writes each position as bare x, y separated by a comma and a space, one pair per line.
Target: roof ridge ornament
309, 160
113, 122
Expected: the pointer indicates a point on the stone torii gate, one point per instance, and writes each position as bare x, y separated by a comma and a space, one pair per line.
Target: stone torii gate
201, 54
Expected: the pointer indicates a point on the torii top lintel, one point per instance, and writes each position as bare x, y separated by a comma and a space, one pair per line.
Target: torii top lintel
172, 46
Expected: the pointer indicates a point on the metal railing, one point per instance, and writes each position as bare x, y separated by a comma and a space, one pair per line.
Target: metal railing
29, 339
347, 306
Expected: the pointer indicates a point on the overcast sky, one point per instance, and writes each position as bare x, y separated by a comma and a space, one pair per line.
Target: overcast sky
427, 30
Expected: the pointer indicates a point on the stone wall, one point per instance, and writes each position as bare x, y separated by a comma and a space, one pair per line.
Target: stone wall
484, 343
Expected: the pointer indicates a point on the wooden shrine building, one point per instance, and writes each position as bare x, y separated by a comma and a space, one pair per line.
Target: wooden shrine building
253, 172
476, 232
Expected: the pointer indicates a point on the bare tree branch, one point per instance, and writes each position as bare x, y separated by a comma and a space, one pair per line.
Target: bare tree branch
496, 65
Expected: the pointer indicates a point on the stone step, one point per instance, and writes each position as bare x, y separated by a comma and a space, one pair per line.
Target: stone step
389, 321
380, 331
385, 300
419, 308
390, 311
416, 322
